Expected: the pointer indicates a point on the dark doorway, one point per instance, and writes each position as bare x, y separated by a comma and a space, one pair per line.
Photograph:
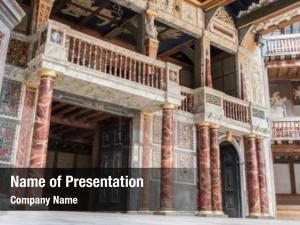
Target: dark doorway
231, 188
83, 139
114, 158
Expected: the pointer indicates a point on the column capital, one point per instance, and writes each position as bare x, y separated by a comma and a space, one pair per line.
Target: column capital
203, 124
250, 136
151, 13
31, 85
214, 126
259, 138
167, 106
47, 73
147, 113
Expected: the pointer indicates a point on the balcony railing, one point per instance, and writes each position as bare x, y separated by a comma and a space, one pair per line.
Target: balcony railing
280, 45
116, 61
286, 129
187, 104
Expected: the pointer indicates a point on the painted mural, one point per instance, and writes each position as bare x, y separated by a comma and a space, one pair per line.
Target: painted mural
10, 98
7, 137
285, 98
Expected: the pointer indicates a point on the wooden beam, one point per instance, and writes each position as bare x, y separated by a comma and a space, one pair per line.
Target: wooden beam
63, 112
292, 177
80, 113
92, 115
272, 10
118, 29
188, 51
72, 123
175, 49
207, 5
60, 5
104, 4
279, 26
70, 139
103, 117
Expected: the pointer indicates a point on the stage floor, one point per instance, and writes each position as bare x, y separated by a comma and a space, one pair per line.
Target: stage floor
85, 218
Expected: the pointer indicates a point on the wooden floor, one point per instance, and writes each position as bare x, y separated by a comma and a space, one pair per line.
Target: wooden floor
288, 207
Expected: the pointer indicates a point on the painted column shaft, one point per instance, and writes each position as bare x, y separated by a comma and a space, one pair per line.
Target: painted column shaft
215, 164
204, 173
167, 177
42, 120
146, 160
252, 176
262, 176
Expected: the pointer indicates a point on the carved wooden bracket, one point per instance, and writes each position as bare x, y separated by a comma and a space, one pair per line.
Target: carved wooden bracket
43, 12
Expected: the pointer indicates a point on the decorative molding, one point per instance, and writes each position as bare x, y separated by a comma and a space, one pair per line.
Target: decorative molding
258, 113
213, 99
223, 15
43, 12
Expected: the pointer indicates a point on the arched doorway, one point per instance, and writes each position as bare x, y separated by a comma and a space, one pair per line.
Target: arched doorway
231, 180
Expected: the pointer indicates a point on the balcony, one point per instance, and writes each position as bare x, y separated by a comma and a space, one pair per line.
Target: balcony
98, 69
286, 129
216, 107
282, 45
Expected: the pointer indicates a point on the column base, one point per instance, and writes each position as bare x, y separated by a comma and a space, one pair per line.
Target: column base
260, 216
165, 212
211, 214
145, 211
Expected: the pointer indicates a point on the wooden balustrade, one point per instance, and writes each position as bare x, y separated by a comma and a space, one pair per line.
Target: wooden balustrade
283, 45
286, 129
187, 104
236, 111
115, 63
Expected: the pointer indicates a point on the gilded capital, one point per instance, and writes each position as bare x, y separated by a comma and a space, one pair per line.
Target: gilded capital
260, 138
214, 126
250, 136
151, 13
204, 124
167, 106
47, 73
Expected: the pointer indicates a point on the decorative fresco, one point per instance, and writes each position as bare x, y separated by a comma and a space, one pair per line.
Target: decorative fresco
10, 98
7, 137
185, 164
17, 53
157, 129
284, 97
296, 92
184, 135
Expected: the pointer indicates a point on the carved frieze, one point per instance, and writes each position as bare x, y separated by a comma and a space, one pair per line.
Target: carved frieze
213, 99
184, 135
43, 12
258, 113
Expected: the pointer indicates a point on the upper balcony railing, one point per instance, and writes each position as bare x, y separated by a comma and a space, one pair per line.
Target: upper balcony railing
286, 129
280, 45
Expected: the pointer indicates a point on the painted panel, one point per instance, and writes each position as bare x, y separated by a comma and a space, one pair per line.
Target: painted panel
7, 139
157, 129
285, 98
10, 98
297, 177
185, 164
282, 179
185, 135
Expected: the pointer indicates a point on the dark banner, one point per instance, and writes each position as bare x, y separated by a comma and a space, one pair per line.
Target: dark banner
102, 189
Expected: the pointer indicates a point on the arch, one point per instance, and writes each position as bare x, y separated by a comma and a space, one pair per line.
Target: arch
240, 182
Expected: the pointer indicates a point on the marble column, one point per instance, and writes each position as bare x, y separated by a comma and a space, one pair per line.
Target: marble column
42, 119
167, 156
264, 204
26, 127
203, 169
147, 122
215, 164
252, 176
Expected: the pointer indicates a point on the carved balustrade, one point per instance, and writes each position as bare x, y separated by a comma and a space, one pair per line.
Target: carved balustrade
286, 129
187, 104
280, 45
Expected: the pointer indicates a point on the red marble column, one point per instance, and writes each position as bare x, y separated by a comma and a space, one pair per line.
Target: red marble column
203, 169
147, 122
215, 164
42, 120
252, 176
26, 125
167, 156
264, 204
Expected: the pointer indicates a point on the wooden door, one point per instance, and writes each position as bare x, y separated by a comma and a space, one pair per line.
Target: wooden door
114, 157
231, 190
